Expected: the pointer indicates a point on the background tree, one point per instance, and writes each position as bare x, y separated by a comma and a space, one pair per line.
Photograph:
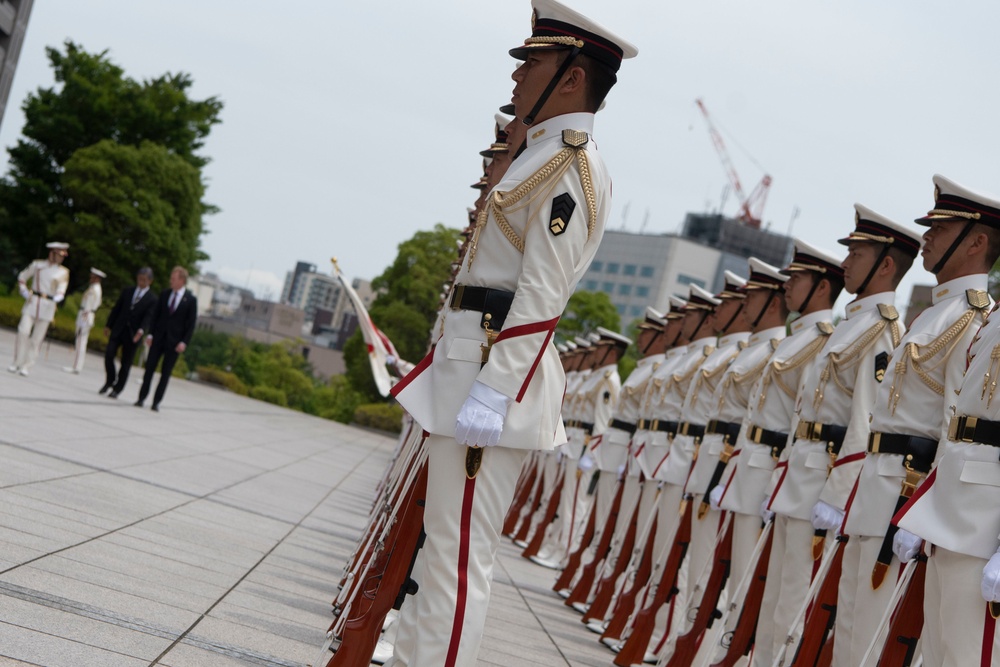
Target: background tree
94, 102
585, 312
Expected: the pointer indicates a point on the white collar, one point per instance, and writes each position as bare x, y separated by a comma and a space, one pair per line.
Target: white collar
863, 305
957, 287
825, 315
554, 126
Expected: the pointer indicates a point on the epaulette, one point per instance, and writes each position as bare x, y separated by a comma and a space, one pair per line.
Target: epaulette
741, 345
977, 298
575, 138
607, 374
825, 328
888, 311
656, 364
707, 350
774, 344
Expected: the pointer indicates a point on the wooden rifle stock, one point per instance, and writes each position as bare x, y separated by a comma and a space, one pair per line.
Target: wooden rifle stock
581, 591
687, 644
606, 587
626, 601
384, 582
746, 627
550, 514
534, 502
523, 491
634, 649
815, 647
564, 580
904, 631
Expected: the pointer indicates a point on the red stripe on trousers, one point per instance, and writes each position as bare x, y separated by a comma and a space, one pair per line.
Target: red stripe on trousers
463, 569
777, 487
989, 629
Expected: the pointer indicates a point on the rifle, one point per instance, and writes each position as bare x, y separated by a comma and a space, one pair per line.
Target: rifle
634, 649
550, 514
581, 591
524, 486
687, 644
386, 581
608, 584
626, 599
746, 627
534, 502
904, 631
564, 580
815, 645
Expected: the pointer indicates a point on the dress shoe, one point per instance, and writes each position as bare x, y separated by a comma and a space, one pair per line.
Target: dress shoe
138, 403
114, 394
70, 369
383, 651
156, 407
12, 369
597, 626
104, 389
23, 372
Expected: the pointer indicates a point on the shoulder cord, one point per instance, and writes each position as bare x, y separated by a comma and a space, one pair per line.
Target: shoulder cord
838, 362
734, 380
911, 355
776, 369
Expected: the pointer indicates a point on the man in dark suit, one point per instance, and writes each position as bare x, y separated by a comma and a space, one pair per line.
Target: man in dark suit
128, 321
172, 326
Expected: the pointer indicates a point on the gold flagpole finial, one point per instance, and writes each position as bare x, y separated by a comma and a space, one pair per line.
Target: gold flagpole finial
336, 267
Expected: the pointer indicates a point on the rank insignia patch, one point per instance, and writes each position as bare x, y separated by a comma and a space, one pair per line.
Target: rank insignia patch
562, 210
881, 363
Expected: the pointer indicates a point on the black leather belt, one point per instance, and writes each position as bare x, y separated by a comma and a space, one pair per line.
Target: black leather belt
728, 429
622, 426
657, 425
44, 296
973, 429
494, 304
696, 430
920, 451
588, 427
832, 434
776, 440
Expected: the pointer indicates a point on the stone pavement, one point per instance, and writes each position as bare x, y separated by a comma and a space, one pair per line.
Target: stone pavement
211, 534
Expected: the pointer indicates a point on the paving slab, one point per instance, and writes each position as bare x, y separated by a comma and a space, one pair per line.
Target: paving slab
211, 534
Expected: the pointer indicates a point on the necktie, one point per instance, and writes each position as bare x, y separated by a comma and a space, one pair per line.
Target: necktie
173, 303
136, 296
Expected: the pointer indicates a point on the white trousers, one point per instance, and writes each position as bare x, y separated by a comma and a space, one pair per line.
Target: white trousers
30, 334
462, 519
958, 629
859, 608
80, 351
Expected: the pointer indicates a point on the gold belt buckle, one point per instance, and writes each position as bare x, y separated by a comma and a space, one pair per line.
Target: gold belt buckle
814, 431
683, 428
755, 433
962, 428
456, 297
654, 424
874, 440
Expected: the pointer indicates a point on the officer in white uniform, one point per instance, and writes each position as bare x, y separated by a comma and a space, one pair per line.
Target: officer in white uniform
910, 415
49, 280
835, 398
491, 390
815, 280
957, 509
89, 303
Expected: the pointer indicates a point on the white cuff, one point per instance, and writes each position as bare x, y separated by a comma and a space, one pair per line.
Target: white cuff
490, 397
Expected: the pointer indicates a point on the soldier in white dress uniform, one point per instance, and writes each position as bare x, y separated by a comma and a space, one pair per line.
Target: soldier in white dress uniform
910, 415
835, 398
492, 388
49, 280
957, 508
89, 303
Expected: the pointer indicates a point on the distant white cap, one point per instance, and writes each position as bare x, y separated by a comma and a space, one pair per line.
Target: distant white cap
733, 287
702, 298
616, 338
810, 258
582, 342
57, 245
764, 276
98, 273
957, 203
871, 227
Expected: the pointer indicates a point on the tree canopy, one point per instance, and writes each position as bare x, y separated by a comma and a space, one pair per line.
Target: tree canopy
95, 145
585, 312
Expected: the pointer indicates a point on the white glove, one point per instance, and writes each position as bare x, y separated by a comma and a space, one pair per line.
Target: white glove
586, 462
390, 360
766, 514
23, 289
991, 579
715, 496
480, 421
906, 545
58, 298
826, 517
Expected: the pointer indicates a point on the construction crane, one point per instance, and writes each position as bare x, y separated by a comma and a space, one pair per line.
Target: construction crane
752, 206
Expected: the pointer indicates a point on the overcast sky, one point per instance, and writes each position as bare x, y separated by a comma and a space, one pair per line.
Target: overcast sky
348, 127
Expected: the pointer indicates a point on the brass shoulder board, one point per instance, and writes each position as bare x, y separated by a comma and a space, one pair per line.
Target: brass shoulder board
888, 311
977, 298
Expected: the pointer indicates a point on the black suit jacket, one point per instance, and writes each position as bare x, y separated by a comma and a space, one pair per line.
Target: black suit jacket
126, 318
176, 327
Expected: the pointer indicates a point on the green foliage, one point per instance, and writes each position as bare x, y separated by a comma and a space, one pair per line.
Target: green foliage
269, 394
50, 188
585, 312
223, 379
381, 416
336, 401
